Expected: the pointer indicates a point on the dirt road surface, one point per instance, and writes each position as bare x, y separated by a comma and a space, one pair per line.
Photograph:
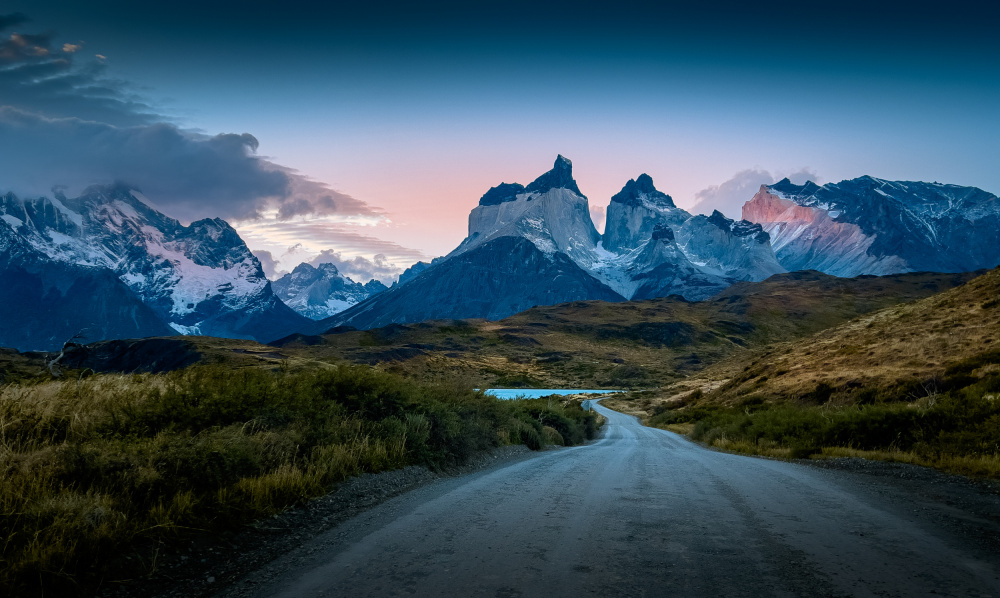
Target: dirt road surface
643, 512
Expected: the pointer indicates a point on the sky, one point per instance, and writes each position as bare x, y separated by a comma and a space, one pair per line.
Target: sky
364, 133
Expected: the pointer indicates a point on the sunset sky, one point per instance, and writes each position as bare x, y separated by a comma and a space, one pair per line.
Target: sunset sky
373, 129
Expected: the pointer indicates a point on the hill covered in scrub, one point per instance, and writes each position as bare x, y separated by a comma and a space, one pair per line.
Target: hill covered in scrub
638, 344
920, 379
634, 344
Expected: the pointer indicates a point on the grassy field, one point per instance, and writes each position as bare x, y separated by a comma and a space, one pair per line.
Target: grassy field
918, 382
98, 471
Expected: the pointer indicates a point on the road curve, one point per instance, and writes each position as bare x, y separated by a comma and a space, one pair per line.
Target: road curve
641, 512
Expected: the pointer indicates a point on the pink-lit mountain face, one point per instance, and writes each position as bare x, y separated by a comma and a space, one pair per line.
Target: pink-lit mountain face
872, 226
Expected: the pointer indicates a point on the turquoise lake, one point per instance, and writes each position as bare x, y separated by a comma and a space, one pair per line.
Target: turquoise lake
534, 393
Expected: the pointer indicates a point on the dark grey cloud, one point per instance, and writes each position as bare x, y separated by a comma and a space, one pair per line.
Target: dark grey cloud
39, 75
71, 125
728, 197
187, 174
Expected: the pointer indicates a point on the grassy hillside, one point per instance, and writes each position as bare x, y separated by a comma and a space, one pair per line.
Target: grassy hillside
98, 472
634, 344
917, 382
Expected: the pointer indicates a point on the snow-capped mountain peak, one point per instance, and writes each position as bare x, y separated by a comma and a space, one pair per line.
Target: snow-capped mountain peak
635, 211
199, 279
318, 292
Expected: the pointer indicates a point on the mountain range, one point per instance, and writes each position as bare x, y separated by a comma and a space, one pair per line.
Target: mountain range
873, 226
108, 264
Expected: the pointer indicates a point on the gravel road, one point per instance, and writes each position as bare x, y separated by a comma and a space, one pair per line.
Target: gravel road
643, 512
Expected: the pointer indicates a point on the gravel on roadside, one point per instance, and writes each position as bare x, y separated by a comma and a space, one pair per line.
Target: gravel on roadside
968, 507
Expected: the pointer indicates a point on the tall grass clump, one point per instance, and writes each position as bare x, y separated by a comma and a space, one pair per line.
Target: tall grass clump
96, 472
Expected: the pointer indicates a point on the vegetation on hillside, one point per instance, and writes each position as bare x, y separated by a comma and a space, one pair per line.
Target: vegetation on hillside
917, 382
97, 471
638, 344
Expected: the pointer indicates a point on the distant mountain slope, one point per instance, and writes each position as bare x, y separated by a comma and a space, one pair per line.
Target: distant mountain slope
873, 226
320, 292
48, 303
493, 280
198, 279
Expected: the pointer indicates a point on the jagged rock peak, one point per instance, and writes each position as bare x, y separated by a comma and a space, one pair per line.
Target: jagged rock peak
719, 219
375, 286
501, 193
739, 228
786, 187
560, 177
304, 267
662, 232
412, 272
635, 190
306, 271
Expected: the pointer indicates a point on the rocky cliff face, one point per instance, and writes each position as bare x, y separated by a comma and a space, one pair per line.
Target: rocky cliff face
550, 212
320, 292
661, 269
635, 211
873, 226
734, 249
197, 279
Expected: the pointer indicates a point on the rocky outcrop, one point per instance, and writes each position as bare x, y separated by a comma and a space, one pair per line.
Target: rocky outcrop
734, 249
412, 272
635, 211
550, 212
662, 269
